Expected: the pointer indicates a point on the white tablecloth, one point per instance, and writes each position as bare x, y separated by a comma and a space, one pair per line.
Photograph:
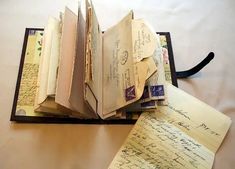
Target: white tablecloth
196, 27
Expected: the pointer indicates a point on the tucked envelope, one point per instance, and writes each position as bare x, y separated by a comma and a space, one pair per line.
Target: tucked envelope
127, 62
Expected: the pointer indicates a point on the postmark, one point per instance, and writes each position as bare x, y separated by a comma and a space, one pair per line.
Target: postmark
124, 57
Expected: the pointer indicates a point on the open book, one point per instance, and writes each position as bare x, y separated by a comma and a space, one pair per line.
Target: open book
84, 72
185, 134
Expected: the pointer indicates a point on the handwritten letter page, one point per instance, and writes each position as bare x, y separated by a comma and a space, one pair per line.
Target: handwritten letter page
155, 143
195, 118
159, 139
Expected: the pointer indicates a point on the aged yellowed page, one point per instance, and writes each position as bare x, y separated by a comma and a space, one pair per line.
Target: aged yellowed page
47, 75
54, 61
46, 66
163, 139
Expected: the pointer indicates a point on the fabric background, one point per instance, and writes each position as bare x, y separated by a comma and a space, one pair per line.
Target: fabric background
196, 27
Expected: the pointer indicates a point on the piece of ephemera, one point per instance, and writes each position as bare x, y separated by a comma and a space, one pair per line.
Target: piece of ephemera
178, 136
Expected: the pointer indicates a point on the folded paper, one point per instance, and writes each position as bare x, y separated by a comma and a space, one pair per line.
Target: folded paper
185, 134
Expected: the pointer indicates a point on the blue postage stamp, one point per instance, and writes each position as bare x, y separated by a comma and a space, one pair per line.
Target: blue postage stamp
157, 90
145, 93
130, 93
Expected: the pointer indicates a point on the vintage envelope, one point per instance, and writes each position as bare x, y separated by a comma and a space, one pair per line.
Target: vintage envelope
127, 62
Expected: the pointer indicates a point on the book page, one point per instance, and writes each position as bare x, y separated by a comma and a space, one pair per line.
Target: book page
46, 68
67, 55
158, 141
76, 94
53, 62
93, 66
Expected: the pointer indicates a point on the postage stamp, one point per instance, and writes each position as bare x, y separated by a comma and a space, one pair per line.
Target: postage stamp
145, 93
130, 93
157, 90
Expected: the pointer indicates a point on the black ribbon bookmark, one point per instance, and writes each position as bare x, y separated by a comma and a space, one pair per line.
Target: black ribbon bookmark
195, 69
